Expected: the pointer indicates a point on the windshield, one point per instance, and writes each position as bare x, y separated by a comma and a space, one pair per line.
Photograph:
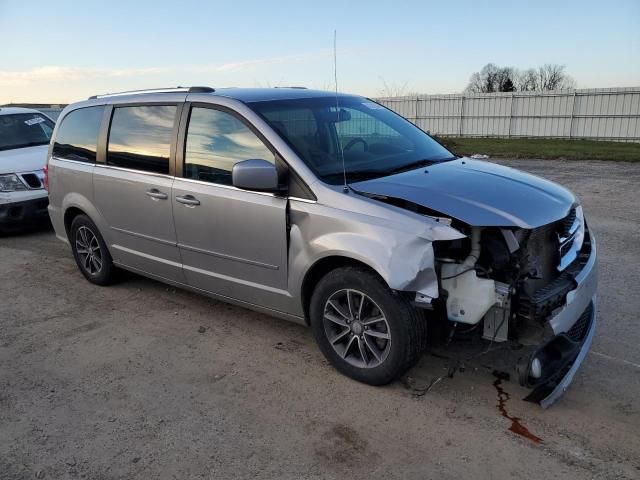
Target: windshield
375, 141
21, 130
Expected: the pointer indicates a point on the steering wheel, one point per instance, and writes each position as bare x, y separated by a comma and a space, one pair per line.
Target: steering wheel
353, 141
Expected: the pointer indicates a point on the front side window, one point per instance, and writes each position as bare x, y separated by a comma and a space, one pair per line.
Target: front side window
20, 130
77, 135
216, 141
140, 137
373, 141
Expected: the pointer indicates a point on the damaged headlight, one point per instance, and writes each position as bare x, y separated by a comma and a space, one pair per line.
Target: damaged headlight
11, 183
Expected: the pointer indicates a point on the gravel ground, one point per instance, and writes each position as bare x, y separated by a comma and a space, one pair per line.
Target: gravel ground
144, 381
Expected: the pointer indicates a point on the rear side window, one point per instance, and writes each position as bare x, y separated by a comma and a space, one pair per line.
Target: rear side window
140, 137
216, 141
77, 135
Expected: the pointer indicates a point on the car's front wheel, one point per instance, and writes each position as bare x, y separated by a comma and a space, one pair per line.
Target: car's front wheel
365, 330
90, 251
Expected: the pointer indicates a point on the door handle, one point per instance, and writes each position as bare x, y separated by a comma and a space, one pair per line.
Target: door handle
188, 200
156, 194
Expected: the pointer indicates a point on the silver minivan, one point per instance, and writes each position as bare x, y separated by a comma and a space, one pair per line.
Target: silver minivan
332, 211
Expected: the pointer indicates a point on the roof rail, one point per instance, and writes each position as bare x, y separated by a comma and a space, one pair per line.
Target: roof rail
157, 90
297, 88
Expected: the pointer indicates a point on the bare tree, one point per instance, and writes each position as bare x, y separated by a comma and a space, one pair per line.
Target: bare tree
493, 78
553, 77
527, 80
393, 89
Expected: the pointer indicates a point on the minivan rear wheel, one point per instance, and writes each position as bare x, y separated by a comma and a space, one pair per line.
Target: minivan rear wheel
365, 330
90, 251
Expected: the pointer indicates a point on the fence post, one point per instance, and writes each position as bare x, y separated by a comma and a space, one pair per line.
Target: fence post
573, 112
510, 116
461, 116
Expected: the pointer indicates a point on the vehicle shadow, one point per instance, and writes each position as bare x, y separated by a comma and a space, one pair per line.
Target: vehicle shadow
31, 229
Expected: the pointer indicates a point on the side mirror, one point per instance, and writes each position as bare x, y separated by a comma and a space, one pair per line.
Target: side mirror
255, 174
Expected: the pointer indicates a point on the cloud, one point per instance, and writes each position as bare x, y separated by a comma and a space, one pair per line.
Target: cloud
56, 73
246, 64
53, 73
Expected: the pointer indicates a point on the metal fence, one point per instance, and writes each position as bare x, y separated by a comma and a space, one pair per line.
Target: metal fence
597, 114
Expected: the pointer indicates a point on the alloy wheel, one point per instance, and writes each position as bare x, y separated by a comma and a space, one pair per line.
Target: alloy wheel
88, 250
357, 328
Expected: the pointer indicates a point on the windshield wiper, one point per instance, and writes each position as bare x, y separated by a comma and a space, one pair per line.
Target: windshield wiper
362, 175
357, 175
425, 162
411, 166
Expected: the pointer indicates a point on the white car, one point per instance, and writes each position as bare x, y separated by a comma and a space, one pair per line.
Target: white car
24, 141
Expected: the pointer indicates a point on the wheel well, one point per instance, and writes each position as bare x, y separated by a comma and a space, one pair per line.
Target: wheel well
69, 215
319, 270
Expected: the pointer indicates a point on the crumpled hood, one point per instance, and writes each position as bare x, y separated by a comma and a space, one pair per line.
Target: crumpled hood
477, 193
25, 159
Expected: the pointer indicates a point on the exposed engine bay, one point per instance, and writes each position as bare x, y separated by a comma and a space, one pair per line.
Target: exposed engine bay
521, 274
506, 284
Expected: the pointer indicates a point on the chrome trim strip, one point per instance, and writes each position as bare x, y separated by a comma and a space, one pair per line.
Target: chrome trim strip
131, 170
570, 237
569, 257
146, 237
224, 298
304, 200
228, 257
566, 381
575, 238
146, 255
220, 185
572, 231
579, 298
38, 173
68, 160
237, 280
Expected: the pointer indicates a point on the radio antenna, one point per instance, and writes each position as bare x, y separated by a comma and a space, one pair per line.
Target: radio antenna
335, 79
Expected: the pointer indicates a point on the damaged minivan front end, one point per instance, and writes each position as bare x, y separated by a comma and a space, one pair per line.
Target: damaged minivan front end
396, 218
523, 272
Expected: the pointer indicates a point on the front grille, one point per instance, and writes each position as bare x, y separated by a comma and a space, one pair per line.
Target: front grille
546, 289
32, 180
564, 225
579, 330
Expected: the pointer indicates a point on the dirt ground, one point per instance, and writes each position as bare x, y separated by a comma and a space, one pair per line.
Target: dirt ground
141, 381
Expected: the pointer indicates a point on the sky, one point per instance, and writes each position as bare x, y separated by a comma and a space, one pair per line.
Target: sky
59, 52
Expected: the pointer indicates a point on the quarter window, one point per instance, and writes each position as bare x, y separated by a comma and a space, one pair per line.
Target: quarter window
77, 135
216, 141
140, 137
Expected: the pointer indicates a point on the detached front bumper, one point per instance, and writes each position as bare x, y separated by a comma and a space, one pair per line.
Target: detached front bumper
561, 386
574, 326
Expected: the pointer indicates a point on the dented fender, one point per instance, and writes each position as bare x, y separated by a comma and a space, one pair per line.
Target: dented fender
397, 245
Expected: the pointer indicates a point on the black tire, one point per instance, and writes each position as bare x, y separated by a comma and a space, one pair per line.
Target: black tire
105, 275
406, 325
